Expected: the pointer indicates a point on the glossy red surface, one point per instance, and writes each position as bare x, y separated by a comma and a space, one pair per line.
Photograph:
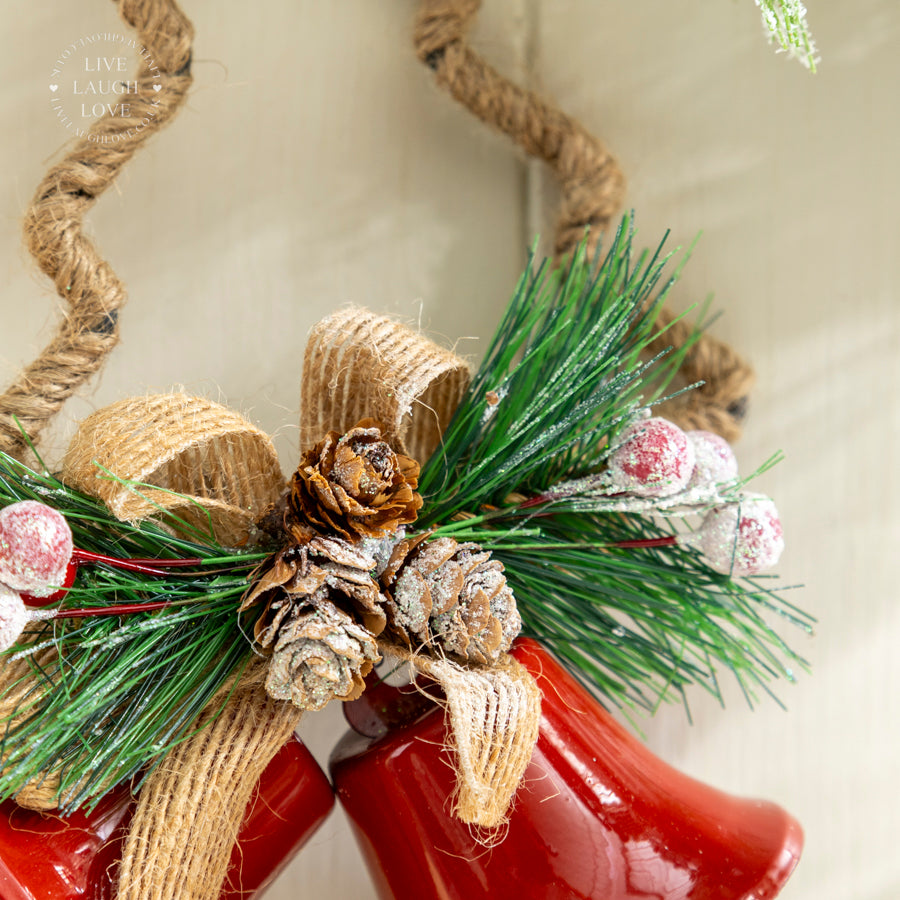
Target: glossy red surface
598, 816
49, 858
293, 800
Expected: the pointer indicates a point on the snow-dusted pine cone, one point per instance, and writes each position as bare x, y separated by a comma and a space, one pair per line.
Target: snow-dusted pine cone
354, 485
322, 612
321, 570
319, 654
443, 594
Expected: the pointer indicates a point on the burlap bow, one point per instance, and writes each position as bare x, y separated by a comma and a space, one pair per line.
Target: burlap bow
357, 364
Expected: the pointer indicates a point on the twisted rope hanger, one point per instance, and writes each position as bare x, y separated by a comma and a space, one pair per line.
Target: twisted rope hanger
54, 231
593, 188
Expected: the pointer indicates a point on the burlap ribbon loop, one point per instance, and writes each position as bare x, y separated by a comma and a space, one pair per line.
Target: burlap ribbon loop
360, 365
214, 468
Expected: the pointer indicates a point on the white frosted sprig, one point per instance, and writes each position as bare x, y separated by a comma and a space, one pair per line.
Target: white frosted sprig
785, 22
597, 493
739, 535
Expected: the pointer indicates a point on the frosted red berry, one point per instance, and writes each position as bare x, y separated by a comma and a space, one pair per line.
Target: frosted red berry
13, 617
742, 538
714, 459
35, 548
654, 458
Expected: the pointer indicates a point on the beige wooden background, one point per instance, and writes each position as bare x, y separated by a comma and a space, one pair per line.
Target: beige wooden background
315, 164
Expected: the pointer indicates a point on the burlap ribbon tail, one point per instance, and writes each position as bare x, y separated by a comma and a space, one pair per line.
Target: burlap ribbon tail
357, 364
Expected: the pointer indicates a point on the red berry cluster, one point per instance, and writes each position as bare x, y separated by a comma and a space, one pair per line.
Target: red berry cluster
655, 458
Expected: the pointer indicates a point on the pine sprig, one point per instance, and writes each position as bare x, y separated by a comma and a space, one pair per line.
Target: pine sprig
638, 625
568, 369
115, 693
563, 371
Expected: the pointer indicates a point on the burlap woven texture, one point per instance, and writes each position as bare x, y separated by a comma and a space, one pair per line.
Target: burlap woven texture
350, 373
494, 716
190, 811
187, 445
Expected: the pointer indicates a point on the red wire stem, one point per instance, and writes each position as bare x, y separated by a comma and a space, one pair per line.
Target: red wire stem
144, 566
123, 609
647, 542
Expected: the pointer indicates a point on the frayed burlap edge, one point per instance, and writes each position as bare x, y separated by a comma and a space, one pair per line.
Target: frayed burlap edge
493, 717
361, 365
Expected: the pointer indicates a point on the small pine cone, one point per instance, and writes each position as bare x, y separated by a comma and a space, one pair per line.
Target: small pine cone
320, 570
355, 485
454, 595
320, 654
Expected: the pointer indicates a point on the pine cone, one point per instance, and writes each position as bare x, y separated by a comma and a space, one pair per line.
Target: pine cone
320, 654
354, 485
321, 570
450, 594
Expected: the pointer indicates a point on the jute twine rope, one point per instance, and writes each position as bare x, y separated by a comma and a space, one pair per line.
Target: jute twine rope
54, 233
189, 814
592, 186
592, 182
719, 404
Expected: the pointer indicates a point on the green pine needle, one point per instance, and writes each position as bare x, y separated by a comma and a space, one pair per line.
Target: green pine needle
643, 624
563, 371
637, 625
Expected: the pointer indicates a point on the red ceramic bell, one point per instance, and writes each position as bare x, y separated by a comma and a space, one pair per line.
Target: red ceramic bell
48, 858
597, 816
